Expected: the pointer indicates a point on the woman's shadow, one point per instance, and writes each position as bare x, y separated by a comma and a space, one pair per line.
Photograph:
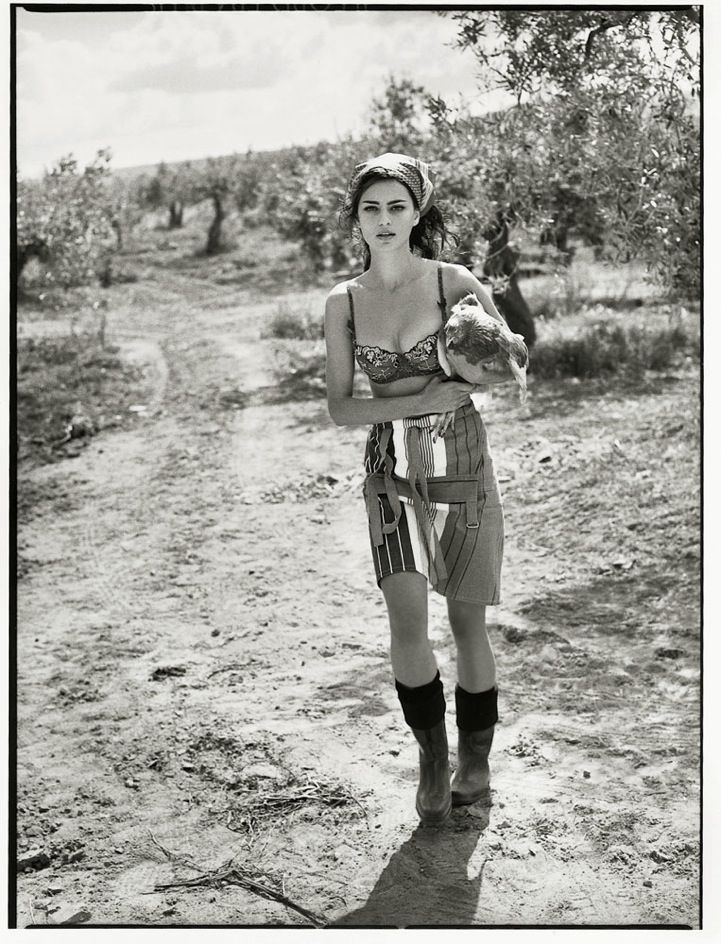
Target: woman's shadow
426, 881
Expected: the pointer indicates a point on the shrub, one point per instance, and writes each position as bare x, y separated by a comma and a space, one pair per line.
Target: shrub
609, 347
288, 324
67, 376
65, 221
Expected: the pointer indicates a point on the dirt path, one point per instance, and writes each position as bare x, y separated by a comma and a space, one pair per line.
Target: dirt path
199, 631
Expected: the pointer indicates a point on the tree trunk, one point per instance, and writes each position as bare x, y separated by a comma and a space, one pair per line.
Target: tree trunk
118, 227
214, 245
556, 235
106, 273
176, 214
501, 263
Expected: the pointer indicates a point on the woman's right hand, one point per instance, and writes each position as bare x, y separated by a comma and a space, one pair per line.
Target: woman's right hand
444, 396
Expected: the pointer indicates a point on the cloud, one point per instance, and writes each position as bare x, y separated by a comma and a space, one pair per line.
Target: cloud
188, 75
175, 84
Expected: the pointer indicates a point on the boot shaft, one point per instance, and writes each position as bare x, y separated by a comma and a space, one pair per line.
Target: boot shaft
423, 706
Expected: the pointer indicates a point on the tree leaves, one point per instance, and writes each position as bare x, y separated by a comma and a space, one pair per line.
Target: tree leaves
66, 220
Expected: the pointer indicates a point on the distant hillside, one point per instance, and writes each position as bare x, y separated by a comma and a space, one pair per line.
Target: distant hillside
130, 173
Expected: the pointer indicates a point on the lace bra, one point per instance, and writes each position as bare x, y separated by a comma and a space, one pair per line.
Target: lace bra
383, 366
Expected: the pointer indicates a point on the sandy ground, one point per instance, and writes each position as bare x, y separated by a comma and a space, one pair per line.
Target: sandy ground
204, 677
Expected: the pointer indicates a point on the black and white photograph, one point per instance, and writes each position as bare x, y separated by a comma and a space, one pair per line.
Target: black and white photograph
355, 466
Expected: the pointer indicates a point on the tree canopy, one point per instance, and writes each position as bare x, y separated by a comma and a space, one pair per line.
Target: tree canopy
65, 220
604, 135
527, 52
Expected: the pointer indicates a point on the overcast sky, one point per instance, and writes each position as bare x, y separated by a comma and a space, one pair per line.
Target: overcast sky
172, 85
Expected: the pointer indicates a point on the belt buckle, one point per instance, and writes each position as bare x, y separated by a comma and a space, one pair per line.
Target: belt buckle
473, 527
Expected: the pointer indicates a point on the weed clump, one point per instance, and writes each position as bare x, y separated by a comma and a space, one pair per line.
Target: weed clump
65, 379
611, 347
287, 324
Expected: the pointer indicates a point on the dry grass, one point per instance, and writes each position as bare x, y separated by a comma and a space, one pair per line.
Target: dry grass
66, 376
600, 341
288, 323
230, 874
247, 876
566, 290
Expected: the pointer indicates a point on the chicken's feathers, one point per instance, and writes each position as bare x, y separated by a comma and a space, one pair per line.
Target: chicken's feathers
473, 336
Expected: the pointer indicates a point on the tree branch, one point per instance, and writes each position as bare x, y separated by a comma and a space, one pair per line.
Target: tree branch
602, 28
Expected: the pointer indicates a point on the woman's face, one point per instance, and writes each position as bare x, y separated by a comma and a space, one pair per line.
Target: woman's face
386, 215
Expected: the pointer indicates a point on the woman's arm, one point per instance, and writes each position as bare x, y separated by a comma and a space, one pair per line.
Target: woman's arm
459, 283
347, 410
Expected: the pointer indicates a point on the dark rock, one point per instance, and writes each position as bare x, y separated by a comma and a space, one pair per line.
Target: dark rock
33, 859
514, 634
165, 671
75, 917
663, 653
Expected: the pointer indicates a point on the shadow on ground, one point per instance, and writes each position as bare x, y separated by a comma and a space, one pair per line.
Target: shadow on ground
426, 882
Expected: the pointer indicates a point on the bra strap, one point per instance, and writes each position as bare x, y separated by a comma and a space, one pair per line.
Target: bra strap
351, 322
442, 302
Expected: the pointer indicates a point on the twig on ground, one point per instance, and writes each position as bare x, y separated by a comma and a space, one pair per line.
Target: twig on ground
226, 668
182, 858
237, 876
363, 810
162, 848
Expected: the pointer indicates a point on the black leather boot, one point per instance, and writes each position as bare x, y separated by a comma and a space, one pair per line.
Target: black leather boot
433, 799
476, 715
424, 709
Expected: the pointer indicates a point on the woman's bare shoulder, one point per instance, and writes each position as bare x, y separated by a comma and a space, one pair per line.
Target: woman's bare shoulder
459, 278
337, 297
341, 288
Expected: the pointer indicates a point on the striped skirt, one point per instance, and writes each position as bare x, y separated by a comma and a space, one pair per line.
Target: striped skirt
459, 560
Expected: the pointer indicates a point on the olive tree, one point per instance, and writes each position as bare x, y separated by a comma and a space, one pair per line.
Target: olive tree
65, 220
609, 138
170, 187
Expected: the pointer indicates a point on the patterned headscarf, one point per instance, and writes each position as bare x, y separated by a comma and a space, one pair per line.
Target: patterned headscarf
409, 170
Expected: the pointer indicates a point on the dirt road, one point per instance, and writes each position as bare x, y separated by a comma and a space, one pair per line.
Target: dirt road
204, 676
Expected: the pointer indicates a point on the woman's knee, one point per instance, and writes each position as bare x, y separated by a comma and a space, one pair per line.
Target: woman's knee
406, 592
468, 620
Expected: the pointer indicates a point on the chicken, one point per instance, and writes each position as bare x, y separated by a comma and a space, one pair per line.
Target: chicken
470, 339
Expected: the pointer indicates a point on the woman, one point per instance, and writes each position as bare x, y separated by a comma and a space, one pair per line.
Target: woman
433, 504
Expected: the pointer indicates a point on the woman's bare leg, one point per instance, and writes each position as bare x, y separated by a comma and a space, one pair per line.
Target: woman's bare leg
476, 664
476, 701
406, 596
420, 690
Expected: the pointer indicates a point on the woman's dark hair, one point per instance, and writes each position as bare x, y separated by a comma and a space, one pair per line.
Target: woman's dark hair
428, 237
